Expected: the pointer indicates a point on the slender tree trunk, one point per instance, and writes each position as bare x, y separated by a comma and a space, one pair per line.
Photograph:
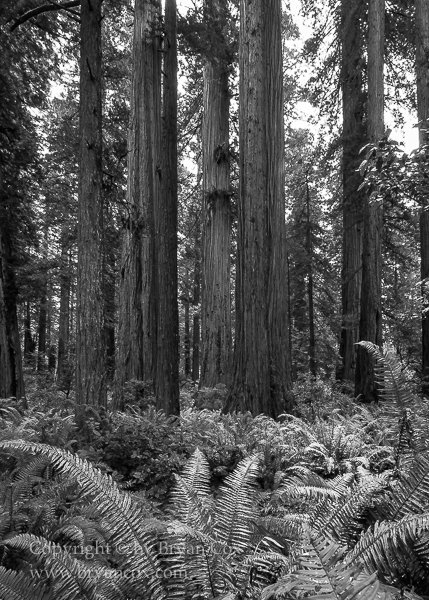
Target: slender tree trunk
41, 329
310, 289
422, 71
29, 344
167, 351
196, 320
370, 326
136, 357
109, 307
196, 348
187, 339
64, 318
262, 379
11, 374
90, 348
353, 139
216, 244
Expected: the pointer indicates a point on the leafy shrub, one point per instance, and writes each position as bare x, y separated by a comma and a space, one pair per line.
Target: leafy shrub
142, 447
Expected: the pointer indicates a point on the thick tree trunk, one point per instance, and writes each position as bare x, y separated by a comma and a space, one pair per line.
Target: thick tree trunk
216, 243
353, 139
167, 351
90, 349
262, 378
11, 374
370, 327
422, 71
137, 317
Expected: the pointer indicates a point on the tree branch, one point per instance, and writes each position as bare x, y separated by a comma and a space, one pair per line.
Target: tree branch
41, 9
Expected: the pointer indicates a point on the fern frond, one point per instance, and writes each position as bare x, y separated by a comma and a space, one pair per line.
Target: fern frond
72, 580
323, 574
190, 496
410, 495
236, 506
343, 519
394, 389
389, 548
126, 525
18, 586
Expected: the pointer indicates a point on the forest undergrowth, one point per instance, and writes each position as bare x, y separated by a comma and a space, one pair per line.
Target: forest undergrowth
331, 502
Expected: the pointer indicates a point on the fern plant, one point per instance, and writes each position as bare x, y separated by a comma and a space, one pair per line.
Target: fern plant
362, 535
130, 560
221, 552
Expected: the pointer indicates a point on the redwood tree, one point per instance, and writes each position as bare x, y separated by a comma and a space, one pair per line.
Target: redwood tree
216, 256
262, 377
353, 139
90, 348
167, 311
370, 315
137, 324
422, 71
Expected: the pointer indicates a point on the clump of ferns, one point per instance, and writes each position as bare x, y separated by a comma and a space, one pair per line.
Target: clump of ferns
360, 532
336, 444
83, 537
214, 541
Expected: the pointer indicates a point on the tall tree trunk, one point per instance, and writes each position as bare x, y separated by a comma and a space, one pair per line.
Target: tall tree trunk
11, 373
353, 139
167, 351
216, 243
41, 329
370, 326
422, 71
310, 288
137, 317
262, 378
109, 305
196, 320
29, 344
90, 348
187, 339
64, 317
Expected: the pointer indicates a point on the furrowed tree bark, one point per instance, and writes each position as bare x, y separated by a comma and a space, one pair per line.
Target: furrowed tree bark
136, 357
353, 139
422, 72
167, 351
370, 326
90, 348
216, 238
262, 379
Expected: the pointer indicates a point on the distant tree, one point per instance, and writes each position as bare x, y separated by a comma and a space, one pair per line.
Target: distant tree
262, 377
